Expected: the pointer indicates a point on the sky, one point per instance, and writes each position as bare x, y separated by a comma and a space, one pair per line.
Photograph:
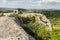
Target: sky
30, 4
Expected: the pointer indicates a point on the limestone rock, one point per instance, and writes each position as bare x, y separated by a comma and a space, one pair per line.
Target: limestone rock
10, 29
39, 18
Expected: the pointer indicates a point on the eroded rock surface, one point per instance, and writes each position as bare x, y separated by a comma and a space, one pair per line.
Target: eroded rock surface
39, 18
10, 29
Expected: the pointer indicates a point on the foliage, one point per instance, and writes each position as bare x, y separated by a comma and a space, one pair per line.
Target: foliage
40, 30
28, 19
55, 34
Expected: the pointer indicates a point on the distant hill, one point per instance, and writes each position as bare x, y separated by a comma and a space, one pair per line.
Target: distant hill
2, 9
11, 9
27, 10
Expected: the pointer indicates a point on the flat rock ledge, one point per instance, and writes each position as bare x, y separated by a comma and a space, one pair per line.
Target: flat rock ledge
10, 29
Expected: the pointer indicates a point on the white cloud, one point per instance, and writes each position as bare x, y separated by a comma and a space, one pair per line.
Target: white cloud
2, 1
30, 3
50, 0
55, 0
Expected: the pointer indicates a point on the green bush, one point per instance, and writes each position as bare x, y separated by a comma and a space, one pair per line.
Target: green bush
28, 19
40, 30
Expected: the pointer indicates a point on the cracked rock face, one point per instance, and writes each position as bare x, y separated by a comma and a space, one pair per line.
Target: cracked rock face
11, 30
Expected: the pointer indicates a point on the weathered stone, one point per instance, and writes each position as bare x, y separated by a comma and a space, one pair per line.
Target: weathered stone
11, 29
39, 18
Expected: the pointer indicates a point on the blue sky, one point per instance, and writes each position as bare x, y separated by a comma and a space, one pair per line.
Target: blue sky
30, 4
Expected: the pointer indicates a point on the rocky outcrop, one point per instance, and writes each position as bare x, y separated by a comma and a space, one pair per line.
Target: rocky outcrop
11, 29
39, 18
